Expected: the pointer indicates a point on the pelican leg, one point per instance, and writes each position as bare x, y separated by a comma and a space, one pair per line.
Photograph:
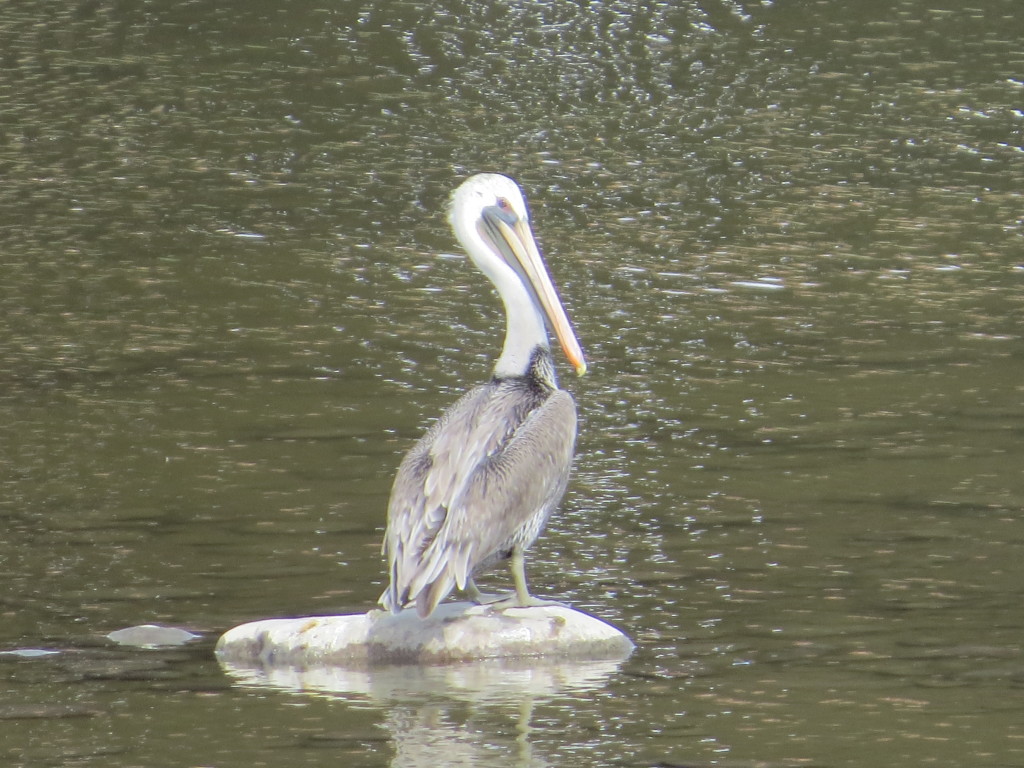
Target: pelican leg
518, 565
522, 597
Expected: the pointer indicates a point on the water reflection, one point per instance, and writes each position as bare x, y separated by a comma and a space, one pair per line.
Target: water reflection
444, 715
429, 736
490, 682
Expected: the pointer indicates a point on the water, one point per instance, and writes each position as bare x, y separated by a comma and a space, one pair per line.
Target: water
789, 236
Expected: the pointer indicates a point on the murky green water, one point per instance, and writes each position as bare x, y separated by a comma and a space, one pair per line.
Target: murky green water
789, 235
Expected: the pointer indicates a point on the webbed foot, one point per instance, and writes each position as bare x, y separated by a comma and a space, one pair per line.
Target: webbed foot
485, 598
516, 601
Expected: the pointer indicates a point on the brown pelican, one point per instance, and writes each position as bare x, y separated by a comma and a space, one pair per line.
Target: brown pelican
479, 485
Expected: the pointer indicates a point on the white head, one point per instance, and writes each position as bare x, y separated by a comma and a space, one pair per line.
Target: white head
489, 217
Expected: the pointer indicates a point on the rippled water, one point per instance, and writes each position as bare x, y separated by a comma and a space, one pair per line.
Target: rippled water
789, 235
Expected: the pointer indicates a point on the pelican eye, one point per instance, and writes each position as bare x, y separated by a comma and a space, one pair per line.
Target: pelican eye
504, 204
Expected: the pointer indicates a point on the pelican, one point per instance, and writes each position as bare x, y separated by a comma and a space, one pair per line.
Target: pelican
479, 486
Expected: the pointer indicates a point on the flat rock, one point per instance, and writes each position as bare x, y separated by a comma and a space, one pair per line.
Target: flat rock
455, 632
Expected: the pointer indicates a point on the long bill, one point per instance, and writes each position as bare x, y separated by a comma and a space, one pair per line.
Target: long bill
530, 266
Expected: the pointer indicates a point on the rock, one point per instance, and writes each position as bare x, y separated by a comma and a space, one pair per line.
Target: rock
151, 636
455, 632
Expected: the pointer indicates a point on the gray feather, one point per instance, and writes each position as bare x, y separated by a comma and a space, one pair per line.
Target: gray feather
483, 479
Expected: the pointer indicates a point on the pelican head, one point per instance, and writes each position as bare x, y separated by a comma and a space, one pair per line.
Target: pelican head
489, 216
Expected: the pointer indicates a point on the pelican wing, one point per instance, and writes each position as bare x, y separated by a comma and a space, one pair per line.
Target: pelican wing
498, 459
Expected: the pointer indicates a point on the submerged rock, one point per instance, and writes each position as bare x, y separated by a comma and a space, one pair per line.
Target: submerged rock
455, 632
151, 636
29, 653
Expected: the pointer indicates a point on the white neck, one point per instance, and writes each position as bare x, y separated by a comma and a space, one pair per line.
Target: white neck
524, 331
